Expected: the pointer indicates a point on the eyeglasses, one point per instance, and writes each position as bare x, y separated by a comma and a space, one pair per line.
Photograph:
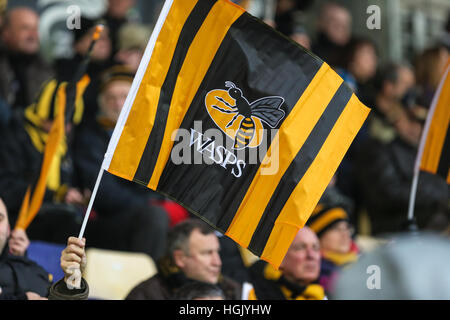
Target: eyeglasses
344, 228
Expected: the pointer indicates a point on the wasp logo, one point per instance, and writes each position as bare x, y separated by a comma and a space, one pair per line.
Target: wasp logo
240, 119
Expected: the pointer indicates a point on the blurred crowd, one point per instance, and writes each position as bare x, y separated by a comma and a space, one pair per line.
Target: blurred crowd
368, 196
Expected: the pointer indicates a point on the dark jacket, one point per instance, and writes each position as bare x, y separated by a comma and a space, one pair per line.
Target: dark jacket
65, 71
270, 284
384, 173
330, 52
20, 164
59, 291
164, 284
114, 194
22, 77
19, 275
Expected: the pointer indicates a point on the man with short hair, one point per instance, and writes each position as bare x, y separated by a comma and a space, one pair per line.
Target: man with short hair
335, 28
192, 254
23, 70
20, 278
297, 274
23, 279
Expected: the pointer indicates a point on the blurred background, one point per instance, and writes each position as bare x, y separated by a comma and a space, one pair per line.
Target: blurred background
407, 26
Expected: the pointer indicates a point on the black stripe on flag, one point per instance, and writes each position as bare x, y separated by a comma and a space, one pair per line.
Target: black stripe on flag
187, 35
299, 167
259, 73
444, 161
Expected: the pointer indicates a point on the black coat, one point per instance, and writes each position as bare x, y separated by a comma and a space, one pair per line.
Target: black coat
19, 275
114, 194
20, 165
384, 173
22, 77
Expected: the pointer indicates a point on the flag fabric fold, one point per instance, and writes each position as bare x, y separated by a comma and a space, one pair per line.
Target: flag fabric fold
219, 85
51, 104
434, 149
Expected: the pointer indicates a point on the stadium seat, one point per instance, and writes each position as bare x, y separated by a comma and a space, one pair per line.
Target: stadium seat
47, 255
112, 274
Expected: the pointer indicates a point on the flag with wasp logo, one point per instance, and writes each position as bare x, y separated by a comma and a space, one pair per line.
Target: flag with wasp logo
235, 122
434, 148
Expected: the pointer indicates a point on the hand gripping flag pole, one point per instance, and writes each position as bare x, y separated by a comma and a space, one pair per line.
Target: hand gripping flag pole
209, 60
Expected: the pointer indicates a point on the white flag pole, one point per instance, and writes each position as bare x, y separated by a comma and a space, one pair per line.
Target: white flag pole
127, 107
91, 202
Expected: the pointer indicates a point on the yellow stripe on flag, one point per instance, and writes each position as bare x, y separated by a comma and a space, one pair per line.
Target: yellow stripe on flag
299, 123
306, 194
195, 66
142, 115
438, 129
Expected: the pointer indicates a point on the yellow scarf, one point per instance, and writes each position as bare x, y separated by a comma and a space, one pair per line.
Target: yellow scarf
340, 258
311, 292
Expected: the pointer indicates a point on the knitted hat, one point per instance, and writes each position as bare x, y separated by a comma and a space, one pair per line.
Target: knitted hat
133, 36
114, 73
325, 217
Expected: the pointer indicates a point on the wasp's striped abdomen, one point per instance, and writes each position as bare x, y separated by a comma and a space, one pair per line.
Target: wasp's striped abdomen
245, 133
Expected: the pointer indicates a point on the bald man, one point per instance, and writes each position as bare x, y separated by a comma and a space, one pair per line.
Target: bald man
297, 274
23, 70
23, 279
20, 278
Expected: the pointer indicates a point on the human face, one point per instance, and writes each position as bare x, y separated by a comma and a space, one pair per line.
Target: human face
113, 98
4, 226
21, 33
364, 63
302, 261
337, 238
336, 23
119, 8
202, 262
406, 80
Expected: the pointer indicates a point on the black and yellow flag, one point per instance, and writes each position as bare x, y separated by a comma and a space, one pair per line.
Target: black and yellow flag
217, 84
434, 150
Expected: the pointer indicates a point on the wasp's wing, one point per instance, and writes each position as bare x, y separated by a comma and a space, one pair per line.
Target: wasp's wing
267, 110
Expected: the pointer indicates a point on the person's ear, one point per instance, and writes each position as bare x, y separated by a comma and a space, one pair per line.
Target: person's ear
179, 258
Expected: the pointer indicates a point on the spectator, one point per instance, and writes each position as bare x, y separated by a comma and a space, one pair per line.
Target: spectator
100, 60
285, 14
192, 254
408, 268
429, 66
20, 278
359, 64
384, 173
23, 279
23, 70
125, 218
337, 248
197, 290
21, 153
295, 279
334, 33
116, 17
392, 84
132, 41
300, 35
233, 263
